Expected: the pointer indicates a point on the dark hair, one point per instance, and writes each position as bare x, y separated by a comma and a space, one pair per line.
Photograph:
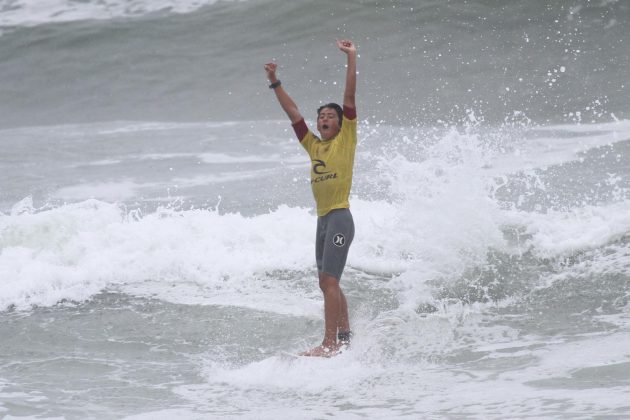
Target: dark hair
334, 106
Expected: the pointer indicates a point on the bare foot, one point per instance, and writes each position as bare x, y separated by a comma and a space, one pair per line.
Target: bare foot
321, 351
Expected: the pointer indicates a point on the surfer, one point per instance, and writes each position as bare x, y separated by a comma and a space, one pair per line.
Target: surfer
332, 160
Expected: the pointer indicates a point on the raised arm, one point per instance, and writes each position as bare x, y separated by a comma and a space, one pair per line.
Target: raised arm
285, 100
349, 48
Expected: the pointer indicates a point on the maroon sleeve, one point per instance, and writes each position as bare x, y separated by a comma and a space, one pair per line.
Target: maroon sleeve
301, 129
349, 112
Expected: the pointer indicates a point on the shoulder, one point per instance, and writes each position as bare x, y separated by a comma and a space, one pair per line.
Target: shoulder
349, 120
349, 113
301, 129
309, 140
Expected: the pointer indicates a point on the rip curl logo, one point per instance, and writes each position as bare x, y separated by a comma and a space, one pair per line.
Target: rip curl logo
339, 240
319, 166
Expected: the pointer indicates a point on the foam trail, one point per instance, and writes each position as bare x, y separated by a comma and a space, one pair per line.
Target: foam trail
38, 12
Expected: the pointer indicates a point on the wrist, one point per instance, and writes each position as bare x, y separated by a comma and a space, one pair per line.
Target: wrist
275, 84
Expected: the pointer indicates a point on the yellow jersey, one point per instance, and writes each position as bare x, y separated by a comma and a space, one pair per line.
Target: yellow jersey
332, 163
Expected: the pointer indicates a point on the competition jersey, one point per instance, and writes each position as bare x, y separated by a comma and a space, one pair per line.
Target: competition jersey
331, 162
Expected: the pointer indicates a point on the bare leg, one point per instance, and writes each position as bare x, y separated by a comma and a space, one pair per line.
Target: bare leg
334, 307
343, 324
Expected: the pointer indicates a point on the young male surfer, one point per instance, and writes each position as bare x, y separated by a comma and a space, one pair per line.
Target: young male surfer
332, 160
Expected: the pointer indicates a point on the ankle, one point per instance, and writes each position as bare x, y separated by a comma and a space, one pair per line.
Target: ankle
329, 344
344, 337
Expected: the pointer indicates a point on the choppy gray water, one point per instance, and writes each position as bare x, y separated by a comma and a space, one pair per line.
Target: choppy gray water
420, 60
156, 221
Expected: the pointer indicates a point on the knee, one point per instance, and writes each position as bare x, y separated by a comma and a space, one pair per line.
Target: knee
328, 283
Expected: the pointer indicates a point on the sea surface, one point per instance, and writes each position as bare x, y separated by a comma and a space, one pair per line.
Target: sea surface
157, 225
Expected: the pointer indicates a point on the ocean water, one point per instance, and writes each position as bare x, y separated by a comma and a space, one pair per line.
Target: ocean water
157, 224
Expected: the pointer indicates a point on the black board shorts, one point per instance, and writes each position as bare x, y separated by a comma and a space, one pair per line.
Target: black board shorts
335, 232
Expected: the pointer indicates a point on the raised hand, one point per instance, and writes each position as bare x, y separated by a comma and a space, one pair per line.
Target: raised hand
346, 46
270, 68
350, 49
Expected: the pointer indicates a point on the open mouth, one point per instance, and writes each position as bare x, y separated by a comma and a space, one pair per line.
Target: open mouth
325, 127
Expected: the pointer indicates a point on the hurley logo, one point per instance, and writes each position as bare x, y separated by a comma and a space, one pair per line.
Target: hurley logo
339, 240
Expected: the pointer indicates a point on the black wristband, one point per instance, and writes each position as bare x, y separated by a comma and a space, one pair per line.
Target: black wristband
275, 84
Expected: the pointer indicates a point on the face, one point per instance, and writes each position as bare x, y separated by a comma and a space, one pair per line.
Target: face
328, 123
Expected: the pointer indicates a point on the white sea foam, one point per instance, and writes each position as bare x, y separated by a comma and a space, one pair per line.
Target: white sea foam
385, 385
556, 233
37, 12
442, 219
116, 128
223, 158
195, 256
550, 145
563, 359
74, 251
221, 178
439, 219
108, 191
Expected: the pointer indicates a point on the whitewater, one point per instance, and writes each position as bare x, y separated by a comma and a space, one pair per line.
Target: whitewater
157, 223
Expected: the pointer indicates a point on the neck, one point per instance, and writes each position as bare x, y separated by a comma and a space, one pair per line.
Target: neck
332, 136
